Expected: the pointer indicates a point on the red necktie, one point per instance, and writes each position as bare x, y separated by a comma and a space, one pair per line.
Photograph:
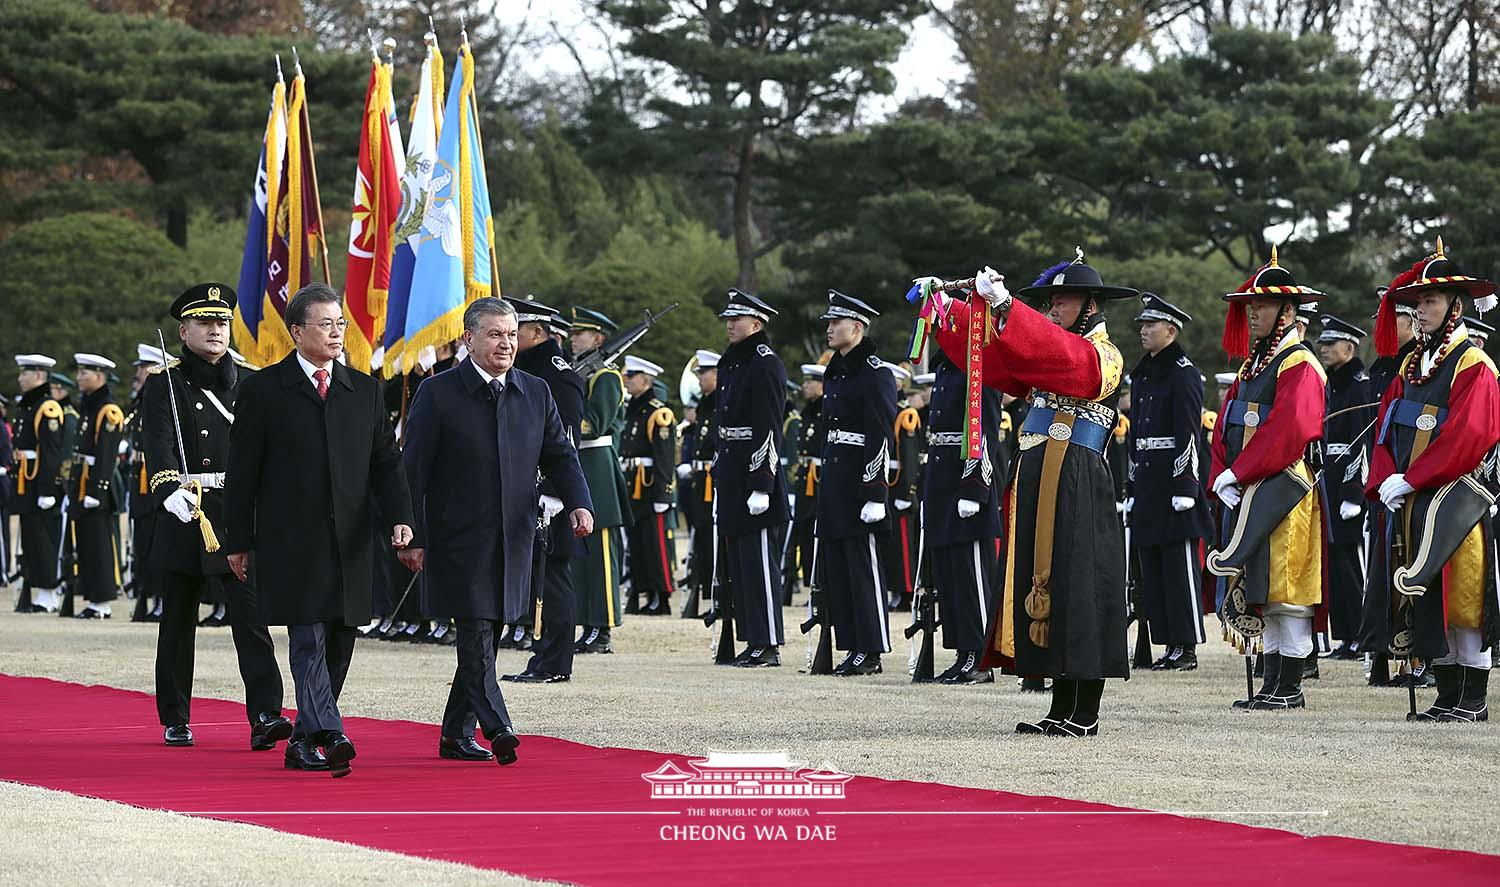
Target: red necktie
322, 377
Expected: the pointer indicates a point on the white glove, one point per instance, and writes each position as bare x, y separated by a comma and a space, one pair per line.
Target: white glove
90, 502
990, 284
1230, 496
901, 504
660, 507
1349, 510
181, 503
1393, 491
46, 502
758, 503
1182, 503
1120, 507
872, 513
551, 507
967, 508
124, 447
684, 471
1129, 504
1226, 478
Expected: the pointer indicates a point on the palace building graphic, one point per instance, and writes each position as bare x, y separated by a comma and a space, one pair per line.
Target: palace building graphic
746, 775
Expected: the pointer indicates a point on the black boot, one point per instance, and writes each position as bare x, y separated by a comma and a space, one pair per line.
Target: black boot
1310, 666
1287, 692
1083, 719
1449, 682
1271, 667
1064, 698
1380, 670
1473, 687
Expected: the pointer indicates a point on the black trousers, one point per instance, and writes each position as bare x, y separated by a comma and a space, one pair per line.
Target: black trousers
650, 558
181, 594
320, 654
753, 570
967, 579
804, 543
98, 557
856, 602
1171, 580
41, 547
475, 693
1346, 590
553, 654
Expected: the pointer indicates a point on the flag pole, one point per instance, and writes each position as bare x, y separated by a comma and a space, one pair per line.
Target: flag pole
479, 139
312, 164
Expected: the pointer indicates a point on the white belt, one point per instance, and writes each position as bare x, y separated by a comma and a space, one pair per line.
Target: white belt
702, 464
1337, 449
810, 460
736, 432
846, 437
1155, 443
945, 438
605, 441
643, 462
26, 454
213, 480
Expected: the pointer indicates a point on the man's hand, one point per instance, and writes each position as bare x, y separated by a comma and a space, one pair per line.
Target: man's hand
89, 502
967, 508
551, 508
758, 503
45, 503
1349, 510
181, 504
660, 507
582, 521
872, 512
901, 504
400, 536
239, 564
1179, 503
411, 558
990, 284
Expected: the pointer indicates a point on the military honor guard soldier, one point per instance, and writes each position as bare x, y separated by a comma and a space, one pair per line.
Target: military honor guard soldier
205, 383
648, 454
38, 491
805, 478
96, 497
750, 492
857, 422
693, 470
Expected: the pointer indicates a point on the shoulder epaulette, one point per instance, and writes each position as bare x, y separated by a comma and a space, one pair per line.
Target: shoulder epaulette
241, 362
171, 362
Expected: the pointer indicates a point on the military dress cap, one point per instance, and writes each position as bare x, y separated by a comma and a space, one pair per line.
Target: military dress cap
560, 324
1307, 312
529, 310
900, 372
923, 380
147, 355
1074, 278
743, 304
813, 370
62, 379
1154, 307
635, 364
1224, 379
588, 319
35, 362
841, 307
1335, 330
707, 360
92, 362
206, 301
1478, 328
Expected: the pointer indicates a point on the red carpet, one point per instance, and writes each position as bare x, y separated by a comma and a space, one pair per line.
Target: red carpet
581, 814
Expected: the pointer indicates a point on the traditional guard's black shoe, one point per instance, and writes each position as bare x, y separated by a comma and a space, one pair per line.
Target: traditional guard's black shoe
503, 744
1068, 728
267, 730
177, 734
339, 751
536, 677
1472, 690
464, 748
1272, 669
304, 755
1310, 667
970, 673
1064, 699
758, 657
1286, 693
859, 664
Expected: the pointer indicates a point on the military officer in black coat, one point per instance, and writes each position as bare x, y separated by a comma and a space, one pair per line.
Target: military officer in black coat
809, 444
1168, 512
96, 499
205, 383
961, 519
540, 354
40, 454
859, 414
648, 453
750, 492
1344, 473
311, 457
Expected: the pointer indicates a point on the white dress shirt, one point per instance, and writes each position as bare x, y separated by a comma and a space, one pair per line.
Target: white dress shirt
309, 368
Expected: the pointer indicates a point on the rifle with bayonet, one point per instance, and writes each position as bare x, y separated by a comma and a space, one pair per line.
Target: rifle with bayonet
613, 349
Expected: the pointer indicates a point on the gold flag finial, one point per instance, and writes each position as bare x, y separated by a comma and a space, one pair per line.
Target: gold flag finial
1273, 256
1440, 247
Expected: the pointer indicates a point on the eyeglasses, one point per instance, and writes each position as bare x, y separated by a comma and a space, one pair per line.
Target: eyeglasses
327, 326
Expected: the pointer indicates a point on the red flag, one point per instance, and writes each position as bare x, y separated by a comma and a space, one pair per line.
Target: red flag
377, 202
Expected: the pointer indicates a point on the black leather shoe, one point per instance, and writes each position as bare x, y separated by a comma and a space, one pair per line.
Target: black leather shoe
178, 734
87, 613
339, 751
594, 640
503, 745
1186, 660
463, 748
304, 755
536, 677
859, 664
267, 730
970, 672
213, 620
759, 657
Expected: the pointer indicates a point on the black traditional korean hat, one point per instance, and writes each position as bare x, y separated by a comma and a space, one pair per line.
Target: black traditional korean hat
1270, 281
1435, 272
1075, 278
